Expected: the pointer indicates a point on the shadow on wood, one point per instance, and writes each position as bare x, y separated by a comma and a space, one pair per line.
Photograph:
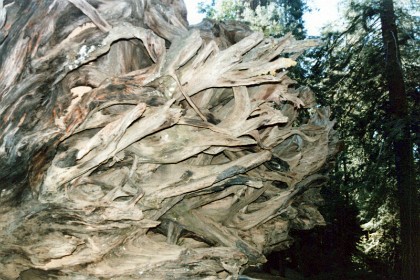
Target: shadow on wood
133, 145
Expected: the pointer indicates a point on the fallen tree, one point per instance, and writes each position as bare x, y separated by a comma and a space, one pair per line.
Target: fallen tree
135, 146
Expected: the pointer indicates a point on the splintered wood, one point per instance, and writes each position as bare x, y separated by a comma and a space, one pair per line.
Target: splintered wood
134, 146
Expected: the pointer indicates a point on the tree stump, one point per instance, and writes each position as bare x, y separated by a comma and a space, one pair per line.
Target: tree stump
135, 146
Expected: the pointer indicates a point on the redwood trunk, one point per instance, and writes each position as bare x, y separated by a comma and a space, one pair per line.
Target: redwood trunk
403, 147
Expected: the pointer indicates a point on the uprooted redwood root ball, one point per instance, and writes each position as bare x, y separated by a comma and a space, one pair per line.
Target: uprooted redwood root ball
133, 146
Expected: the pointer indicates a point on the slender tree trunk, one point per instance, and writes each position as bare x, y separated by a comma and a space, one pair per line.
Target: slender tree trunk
398, 110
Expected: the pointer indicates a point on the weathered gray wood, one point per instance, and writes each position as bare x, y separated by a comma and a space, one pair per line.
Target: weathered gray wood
133, 145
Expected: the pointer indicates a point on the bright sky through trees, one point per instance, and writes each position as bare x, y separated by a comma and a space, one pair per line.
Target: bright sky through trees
322, 12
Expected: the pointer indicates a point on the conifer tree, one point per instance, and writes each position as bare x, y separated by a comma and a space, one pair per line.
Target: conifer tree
403, 146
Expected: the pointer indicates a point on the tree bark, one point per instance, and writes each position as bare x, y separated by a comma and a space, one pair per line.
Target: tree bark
403, 147
133, 145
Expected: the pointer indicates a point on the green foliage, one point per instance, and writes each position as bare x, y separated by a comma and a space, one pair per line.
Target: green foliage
273, 18
292, 19
381, 239
224, 10
264, 19
207, 9
348, 71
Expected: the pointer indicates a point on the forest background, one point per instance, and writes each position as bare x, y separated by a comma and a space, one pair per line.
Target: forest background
371, 203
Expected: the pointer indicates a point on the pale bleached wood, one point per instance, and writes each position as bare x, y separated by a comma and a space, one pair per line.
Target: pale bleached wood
134, 146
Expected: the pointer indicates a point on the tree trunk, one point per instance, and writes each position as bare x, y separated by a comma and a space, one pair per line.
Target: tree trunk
132, 145
403, 147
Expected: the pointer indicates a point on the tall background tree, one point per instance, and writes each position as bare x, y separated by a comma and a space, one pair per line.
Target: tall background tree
403, 145
353, 77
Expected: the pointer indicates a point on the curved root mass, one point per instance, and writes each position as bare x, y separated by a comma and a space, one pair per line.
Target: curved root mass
135, 146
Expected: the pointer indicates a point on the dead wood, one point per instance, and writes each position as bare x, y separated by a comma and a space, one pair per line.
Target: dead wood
135, 146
